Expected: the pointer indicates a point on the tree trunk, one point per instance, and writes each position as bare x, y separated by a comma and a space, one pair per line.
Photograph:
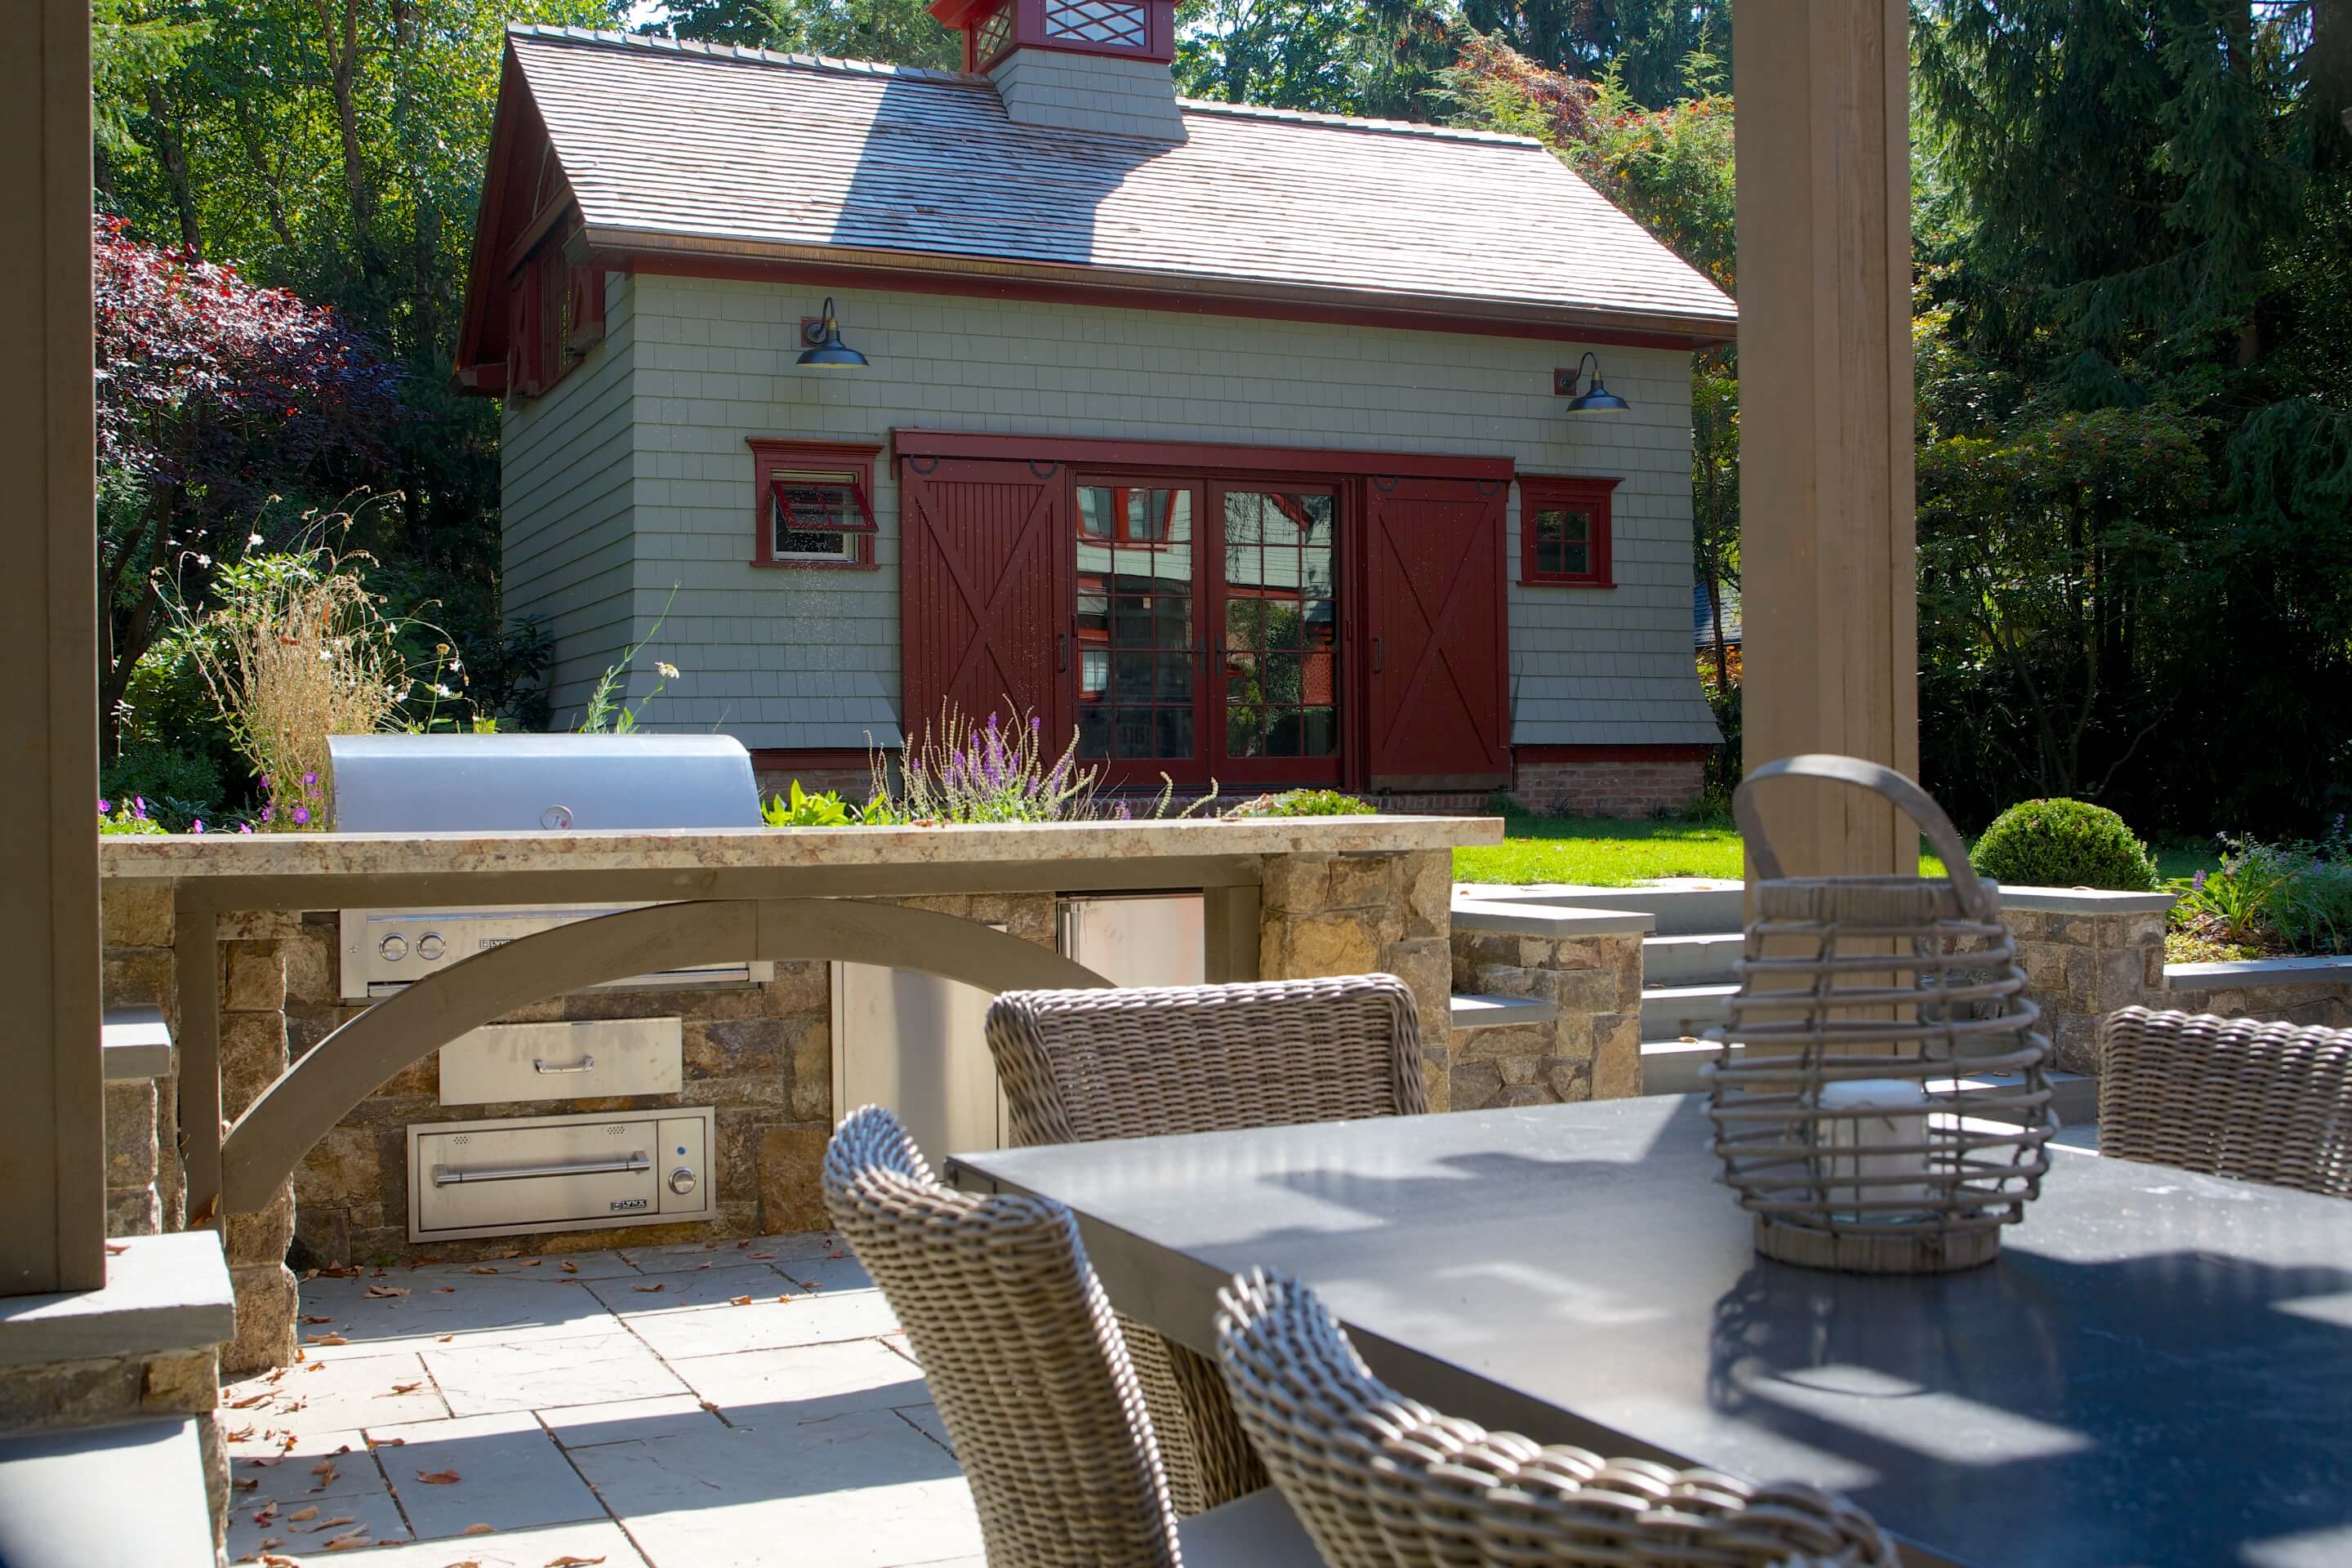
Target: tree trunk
172, 152
2328, 67
343, 69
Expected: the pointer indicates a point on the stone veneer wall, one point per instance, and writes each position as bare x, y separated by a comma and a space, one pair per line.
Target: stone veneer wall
2083, 964
1363, 914
1590, 1050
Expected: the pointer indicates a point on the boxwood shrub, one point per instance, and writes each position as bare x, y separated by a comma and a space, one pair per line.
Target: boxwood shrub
2063, 843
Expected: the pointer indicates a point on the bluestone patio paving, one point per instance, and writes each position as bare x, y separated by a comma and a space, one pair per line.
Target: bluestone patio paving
541, 1413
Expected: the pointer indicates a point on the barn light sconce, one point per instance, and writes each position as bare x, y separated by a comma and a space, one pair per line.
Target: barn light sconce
1593, 399
823, 349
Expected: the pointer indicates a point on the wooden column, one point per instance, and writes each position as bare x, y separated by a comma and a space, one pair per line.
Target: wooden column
1828, 589
53, 1221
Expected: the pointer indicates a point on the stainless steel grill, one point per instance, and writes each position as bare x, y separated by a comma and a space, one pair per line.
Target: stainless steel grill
451, 783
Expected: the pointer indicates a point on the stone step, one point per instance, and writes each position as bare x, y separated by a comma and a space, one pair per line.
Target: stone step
1681, 907
1670, 1011
1501, 1012
1699, 959
1672, 1067
1473, 912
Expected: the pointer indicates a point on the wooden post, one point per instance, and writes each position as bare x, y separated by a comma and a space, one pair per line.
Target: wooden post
1828, 586
53, 1224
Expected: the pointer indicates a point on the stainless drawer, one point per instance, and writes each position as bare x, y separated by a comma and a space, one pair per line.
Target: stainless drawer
501, 1063
558, 1173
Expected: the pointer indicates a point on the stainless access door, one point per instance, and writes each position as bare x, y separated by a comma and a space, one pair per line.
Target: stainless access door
913, 1042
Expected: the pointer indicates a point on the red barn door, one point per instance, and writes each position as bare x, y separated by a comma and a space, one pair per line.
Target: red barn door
1434, 616
983, 619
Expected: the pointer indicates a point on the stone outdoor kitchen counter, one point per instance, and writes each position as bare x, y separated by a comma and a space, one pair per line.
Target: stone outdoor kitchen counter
235, 938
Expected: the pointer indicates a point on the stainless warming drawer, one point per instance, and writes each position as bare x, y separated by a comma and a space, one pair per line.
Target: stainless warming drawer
504, 1063
560, 1173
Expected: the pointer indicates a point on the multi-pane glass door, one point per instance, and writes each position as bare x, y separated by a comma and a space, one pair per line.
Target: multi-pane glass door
1139, 653
1277, 668
1207, 631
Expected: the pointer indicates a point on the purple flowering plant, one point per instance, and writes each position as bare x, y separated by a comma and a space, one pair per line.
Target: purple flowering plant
996, 770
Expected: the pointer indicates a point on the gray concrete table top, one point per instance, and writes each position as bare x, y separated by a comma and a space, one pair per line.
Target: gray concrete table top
2154, 1372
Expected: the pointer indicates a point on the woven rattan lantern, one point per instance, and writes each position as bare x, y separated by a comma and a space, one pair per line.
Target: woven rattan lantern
1866, 1005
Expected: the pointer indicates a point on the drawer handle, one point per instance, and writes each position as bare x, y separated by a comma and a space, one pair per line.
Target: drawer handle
453, 1176
586, 1064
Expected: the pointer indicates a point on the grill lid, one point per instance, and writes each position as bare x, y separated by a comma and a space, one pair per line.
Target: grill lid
458, 784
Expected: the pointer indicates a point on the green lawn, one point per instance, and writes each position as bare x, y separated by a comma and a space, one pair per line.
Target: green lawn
1609, 852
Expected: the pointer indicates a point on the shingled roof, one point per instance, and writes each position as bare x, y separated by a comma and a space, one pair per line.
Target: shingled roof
671, 146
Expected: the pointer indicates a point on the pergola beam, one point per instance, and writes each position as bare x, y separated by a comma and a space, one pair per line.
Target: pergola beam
1828, 586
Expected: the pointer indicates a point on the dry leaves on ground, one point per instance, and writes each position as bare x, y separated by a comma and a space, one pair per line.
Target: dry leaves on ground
571, 1268
439, 1477
300, 1514
317, 1318
569, 1561
739, 1300
397, 1389
648, 1289
481, 1268
328, 1340
387, 1291
446, 1290
479, 1529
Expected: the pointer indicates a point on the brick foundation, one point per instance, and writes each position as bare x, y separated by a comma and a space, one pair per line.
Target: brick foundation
1596, 787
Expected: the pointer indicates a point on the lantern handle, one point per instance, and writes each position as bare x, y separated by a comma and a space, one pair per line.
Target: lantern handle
1884, 781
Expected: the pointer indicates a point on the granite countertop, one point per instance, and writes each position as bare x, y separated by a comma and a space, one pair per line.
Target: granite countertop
181, 857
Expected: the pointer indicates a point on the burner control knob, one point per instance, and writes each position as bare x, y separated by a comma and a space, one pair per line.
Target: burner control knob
681, 1180
395, 948
430, 946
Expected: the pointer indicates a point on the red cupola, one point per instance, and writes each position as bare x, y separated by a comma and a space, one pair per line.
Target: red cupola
1122, 29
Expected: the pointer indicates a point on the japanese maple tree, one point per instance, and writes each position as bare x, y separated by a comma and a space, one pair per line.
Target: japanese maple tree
213, 397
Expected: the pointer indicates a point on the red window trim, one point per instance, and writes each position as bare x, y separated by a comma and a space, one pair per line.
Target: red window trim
1590, 492
855, 457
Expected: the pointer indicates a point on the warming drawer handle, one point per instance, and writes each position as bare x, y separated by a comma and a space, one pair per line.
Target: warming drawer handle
586, 1064
453, 1176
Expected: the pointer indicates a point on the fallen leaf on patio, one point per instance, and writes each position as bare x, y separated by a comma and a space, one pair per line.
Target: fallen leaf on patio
268, 1561
326, 1472
330, 1340
763, 1255
533, 1262
387, 1442
838, 1252
648, 1289
239, 1434
345, 1543
247, 1483
397, 1389
468, 1562
571, 1268
568, 1561
502, 1256
325, 1524
308, 1275
379, 1273
316, 1318
702, 1266
116, 1248
783, 1297
481, 1268
439, 1477
446, 1290
713, 1408
739, 1300
274, 1375
742, 1244
300, 1514
479, 1529
202, 1215
387, 1291
444, 1338
250, 1400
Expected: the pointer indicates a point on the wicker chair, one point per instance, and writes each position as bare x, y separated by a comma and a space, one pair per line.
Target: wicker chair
1028, 1371
1079, 1065
1380, 1481
2229, 1097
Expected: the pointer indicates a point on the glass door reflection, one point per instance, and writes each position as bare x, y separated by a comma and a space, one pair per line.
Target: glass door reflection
1138, 628
1277, 701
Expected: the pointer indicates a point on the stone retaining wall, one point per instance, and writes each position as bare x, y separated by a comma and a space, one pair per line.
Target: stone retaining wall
1364, 914
1590, 1050
2286, 991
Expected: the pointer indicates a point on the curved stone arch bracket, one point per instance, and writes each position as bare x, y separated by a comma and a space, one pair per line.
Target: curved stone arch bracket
306, 1101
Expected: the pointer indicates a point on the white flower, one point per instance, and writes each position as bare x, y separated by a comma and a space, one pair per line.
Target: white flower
203, 560
253, 538
441, 690
669, 671
326, 655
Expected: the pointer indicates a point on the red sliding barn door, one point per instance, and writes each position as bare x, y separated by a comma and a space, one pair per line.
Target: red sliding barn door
981, 598
1435, 620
